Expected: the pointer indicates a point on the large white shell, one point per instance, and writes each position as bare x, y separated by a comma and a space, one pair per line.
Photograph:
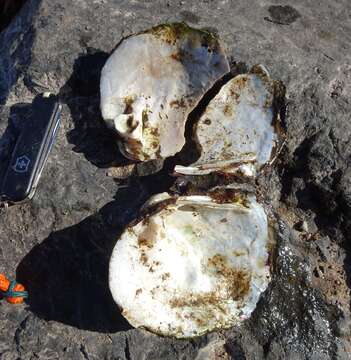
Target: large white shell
236, 133
152, 81
198, 264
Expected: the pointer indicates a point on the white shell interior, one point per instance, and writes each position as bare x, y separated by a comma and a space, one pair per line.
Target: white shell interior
236, 132
194, 266
152, 81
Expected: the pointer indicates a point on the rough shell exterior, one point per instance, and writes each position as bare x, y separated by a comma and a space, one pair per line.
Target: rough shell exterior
199, 263
237, 132
152, 81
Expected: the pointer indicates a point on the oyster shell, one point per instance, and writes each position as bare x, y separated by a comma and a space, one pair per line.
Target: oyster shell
196, 264
237, 133
152, 81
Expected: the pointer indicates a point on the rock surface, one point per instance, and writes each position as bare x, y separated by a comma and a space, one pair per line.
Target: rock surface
59, 244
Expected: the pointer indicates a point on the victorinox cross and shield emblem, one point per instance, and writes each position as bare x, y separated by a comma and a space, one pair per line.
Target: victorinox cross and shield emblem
22, 164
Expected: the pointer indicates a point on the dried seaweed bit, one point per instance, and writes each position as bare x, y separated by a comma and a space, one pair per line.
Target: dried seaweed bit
223, 196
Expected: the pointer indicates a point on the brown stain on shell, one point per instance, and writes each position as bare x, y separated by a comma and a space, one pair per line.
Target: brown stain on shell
238, 85
176, 57
181, 103
148, 236
143, 258
132, 124
145, 117
242, 83
134, 147
138, 292
128, 101
195, 300
165, 276
237, 281
228, 110
238, 253
146, 241
150, 133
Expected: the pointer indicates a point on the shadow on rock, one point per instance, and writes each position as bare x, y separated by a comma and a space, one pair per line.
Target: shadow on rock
67, 274
8, 10
15, 59
90, 135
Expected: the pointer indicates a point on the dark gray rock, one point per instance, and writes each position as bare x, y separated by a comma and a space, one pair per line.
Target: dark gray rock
59, 244
283, 15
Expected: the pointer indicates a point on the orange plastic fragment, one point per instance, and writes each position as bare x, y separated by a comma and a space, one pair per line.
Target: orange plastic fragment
4, 286
4, 283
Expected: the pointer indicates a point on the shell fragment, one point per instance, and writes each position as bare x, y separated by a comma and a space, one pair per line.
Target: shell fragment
236, 133
199, 263
152, 81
